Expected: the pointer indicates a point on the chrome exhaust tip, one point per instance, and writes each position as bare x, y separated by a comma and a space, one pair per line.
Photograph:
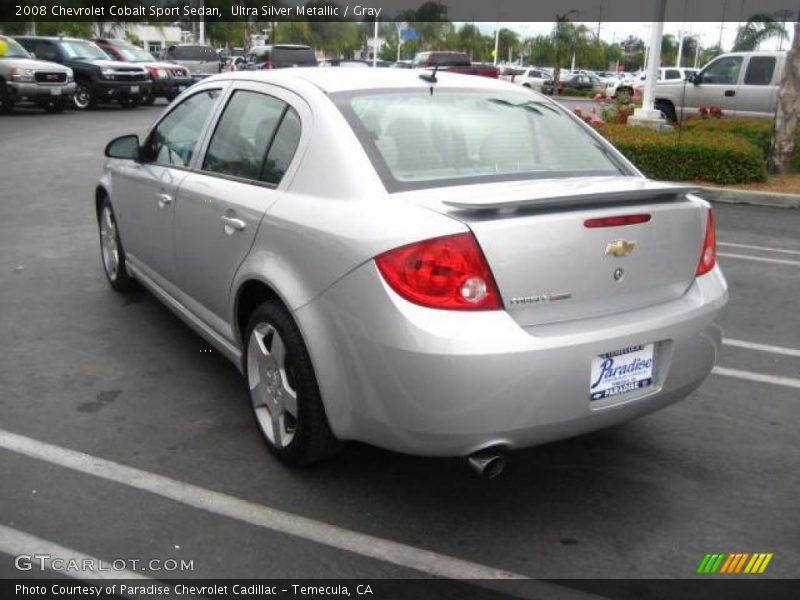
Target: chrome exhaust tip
487, 463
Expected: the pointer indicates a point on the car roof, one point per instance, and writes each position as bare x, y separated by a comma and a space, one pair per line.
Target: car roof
334, 80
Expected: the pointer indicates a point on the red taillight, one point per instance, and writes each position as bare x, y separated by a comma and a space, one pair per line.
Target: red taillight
616, 221
447, 272
708, 257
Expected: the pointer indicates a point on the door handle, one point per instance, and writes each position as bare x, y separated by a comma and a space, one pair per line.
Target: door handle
233, 224
163, 199
730, 93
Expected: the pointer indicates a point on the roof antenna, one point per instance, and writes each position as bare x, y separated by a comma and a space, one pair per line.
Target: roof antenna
430, 77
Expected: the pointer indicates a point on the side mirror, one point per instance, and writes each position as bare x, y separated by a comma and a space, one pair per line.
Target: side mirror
693, 78
126, 146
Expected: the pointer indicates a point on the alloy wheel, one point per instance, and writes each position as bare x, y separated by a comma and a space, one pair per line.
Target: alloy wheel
108, 243
272, 389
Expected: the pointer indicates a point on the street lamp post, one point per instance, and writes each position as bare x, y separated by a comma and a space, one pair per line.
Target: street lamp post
648, 115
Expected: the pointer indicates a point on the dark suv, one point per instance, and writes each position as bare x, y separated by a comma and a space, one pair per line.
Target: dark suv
279, 56
97, 78
169, 79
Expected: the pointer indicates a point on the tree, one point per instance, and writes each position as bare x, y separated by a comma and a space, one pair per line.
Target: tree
508, 45
787, 118
758, 29
669, 49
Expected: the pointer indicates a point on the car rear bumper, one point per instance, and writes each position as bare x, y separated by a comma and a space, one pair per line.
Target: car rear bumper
449, 383
37, 91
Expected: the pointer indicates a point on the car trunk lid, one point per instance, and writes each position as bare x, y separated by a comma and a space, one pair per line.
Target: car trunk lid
549, 266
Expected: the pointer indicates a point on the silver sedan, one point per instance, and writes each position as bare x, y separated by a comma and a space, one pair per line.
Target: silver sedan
433, 263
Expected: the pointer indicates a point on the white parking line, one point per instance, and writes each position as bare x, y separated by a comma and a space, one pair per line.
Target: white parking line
777, 261
424, 561
16, 543
757, 377
762, 347
764, 248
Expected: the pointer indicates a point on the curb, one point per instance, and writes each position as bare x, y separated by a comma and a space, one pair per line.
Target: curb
754, 198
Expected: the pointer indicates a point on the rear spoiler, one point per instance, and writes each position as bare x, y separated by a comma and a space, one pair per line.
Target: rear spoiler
556, 194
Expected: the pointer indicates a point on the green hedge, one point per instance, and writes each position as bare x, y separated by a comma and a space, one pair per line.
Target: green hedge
756, 131
710, 156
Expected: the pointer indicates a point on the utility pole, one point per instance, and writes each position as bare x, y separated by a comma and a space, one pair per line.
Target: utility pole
496, 43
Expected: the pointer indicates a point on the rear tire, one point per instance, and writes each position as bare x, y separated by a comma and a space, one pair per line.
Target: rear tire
111, 250
282, 381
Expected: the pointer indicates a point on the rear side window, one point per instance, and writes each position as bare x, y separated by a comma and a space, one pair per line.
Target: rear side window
283, 147
243, 134
416, 139
672, 74
759, 70
174, 139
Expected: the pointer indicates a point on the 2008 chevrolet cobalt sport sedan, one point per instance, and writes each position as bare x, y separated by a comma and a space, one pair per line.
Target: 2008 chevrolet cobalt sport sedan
432, 263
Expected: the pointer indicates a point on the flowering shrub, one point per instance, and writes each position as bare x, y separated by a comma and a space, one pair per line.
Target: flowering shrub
710, 111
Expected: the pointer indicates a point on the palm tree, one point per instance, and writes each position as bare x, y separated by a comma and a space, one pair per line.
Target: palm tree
758, 29
787, 117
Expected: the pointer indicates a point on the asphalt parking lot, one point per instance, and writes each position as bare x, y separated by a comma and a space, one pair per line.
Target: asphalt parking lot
179, 470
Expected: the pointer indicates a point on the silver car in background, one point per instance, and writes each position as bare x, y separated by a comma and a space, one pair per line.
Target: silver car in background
436, 264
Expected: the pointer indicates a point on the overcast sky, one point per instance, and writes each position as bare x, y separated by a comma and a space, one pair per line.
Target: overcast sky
709, 33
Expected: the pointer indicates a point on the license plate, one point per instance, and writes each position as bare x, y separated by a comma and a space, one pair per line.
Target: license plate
621, 371
134, 89
55, 91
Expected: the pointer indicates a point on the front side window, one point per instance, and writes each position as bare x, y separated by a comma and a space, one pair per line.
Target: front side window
174, 139
418, 139
12, 49
243, 135
759, 70
46, 51
724, 71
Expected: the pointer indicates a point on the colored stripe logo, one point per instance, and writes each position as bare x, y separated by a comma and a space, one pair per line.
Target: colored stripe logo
735, 563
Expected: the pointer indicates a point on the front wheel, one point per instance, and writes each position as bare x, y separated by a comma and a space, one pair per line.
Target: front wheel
284, 394
667, 110
6, 103
111, 250
148, 98
130, 101
85, 97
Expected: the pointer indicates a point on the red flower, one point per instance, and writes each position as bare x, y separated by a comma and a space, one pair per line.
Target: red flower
578, 110
703, 110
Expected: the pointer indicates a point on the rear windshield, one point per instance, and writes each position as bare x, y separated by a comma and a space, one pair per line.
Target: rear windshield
199, 53
301, 57
418, 139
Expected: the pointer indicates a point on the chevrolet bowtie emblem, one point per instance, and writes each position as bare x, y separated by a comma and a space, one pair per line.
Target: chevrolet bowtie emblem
620, 248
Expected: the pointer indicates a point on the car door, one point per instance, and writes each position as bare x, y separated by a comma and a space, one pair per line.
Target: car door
145, 190
715, 85
758, 94
221, 203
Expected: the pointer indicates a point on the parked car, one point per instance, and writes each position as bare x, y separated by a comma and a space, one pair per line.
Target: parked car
574, 81
97, 77
168, 79
23, 79
280, 56
234, 63
529, 77
740, 83
344, 62
200, 60
455, 62
451, 273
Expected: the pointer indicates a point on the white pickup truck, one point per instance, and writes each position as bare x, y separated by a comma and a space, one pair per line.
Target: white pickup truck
740, 83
